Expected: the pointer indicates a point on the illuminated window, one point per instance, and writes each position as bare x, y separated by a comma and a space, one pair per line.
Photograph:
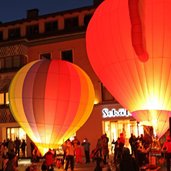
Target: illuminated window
1, 98
13, 133
4, 98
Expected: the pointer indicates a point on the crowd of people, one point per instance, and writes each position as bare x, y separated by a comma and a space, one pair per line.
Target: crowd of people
138, 157
134, 158
10, 151
75, 151
141, 149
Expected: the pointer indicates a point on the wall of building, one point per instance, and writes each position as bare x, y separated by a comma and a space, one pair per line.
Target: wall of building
79, 57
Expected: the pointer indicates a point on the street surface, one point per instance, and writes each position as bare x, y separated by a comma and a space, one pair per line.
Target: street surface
24, 163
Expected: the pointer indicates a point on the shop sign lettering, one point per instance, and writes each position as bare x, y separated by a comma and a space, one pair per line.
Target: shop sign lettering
106, 113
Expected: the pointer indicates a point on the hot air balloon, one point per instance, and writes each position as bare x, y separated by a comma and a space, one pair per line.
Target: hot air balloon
128, 45
51, 100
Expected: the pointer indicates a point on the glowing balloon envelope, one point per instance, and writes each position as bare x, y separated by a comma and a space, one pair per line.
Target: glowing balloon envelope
51, 100
128, 45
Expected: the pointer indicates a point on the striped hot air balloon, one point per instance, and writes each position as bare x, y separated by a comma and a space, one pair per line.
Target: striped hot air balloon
51, 100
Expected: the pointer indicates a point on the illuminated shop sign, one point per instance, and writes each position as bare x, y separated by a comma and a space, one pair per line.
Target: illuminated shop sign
121, 112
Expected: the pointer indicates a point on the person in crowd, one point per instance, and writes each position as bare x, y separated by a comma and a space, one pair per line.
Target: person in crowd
75, 141
4, 149
98, 159
64, 147
36, 155
17, 144
49, 159
132, 141
99, 146
142, 154
11, 162
105, 149
23, 148
166, 148
78, 153
11, 146
86, 146
141, 139
112, 146
128, 162
121, 143
122, 140
116, 149
70, 152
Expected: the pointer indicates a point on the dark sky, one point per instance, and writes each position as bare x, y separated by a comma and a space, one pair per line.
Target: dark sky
11, 10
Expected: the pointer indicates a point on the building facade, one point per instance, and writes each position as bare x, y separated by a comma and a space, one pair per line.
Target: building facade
58, 35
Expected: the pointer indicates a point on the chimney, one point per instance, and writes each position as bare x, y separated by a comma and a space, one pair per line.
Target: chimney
32, 13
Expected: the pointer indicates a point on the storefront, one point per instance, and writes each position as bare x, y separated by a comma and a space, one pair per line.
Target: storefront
117, 121
111, 119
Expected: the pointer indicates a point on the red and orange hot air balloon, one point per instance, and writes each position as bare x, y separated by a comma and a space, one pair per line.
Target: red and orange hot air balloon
51, 100
128, 45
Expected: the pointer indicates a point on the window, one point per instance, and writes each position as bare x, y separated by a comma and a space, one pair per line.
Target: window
51, 27
12, 62
32, 30
2, 63
4, 98
16, 62
71, 23
14, 33
8, 62
67, 55
13, 133
87, 19
45, 56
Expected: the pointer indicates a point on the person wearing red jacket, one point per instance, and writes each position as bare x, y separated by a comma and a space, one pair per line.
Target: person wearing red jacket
167, 149
49, 159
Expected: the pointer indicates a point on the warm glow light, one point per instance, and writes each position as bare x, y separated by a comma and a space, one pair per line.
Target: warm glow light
128, 45
96, 101
51, 100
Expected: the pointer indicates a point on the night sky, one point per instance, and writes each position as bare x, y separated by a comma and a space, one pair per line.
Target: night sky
11, 10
